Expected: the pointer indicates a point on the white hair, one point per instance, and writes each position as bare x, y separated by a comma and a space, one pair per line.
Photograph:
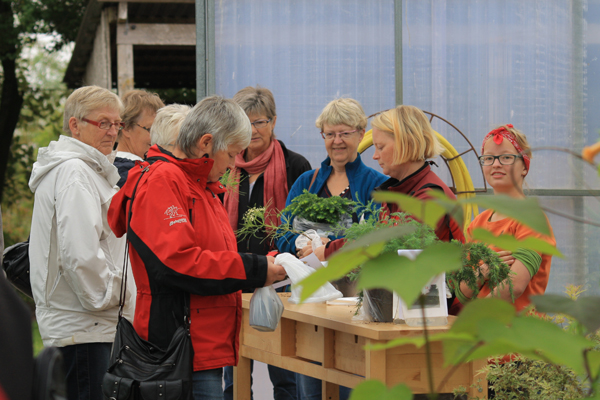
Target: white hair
165, 129
85, 100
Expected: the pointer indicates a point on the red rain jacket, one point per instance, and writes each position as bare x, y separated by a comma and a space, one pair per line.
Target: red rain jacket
182, 249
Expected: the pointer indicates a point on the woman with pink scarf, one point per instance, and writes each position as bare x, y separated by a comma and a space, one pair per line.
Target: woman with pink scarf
266, 171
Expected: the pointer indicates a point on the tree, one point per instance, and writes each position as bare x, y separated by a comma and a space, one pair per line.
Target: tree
20, 21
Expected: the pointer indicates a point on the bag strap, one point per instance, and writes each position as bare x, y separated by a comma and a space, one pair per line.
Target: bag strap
126, 258
123, 290
313, 179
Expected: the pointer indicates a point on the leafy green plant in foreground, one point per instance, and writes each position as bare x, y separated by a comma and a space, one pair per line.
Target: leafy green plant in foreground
486, 327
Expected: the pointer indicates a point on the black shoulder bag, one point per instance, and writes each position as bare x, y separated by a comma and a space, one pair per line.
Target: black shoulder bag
16, 264
140, 370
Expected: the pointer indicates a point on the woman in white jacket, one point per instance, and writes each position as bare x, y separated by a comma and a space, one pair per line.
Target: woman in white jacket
76, 261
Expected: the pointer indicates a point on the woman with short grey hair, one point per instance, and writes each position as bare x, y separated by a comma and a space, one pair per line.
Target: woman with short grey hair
223, 119
75, 257
167, 124
182, 249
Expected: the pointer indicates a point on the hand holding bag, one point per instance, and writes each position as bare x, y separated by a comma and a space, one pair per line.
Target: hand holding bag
140, 370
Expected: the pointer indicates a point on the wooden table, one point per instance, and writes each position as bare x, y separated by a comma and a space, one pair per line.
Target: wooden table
317, 332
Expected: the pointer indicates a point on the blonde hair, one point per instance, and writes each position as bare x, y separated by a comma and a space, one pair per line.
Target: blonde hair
414, 137
165, 129
87, 99
342, 111
135, 102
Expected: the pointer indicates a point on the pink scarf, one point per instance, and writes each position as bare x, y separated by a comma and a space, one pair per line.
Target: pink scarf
499, 135
272, 162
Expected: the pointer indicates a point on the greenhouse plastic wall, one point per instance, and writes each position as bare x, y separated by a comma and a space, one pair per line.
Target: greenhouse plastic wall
477, 64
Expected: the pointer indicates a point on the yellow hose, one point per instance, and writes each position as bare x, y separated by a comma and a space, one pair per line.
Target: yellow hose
458, 169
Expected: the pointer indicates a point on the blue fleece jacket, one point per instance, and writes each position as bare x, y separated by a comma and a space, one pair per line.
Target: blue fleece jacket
363, 180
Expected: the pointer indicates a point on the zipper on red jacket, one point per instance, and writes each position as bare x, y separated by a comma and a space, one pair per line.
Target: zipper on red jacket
191, 211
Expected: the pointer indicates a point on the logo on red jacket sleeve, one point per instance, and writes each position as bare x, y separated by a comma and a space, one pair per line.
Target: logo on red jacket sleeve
173, 213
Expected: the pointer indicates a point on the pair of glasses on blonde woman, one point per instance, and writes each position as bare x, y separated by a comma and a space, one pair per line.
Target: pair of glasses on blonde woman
504, 159
343, 135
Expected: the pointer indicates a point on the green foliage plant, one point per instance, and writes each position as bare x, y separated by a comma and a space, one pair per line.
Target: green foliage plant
522, 377
326, 210
254, 222
231, 184
476, 255
485, 328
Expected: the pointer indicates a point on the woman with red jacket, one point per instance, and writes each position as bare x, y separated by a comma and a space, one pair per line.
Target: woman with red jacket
182, 248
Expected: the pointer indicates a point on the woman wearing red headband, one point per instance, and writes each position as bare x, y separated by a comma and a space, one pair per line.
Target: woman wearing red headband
505, 160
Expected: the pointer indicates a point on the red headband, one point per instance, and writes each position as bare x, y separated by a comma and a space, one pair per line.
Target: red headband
500, 134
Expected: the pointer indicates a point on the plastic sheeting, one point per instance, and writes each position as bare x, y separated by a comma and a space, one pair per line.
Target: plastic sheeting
477, 63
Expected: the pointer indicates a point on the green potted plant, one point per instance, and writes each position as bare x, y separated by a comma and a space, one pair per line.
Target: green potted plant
379, 301
474, 255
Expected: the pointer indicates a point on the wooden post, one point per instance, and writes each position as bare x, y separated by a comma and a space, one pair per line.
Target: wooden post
124, 53
329, 391
125, 68
242, 378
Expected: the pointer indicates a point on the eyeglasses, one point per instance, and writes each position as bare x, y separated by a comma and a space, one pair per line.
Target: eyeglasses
261, 123
105, 125
343, 135
504, 159
143, 127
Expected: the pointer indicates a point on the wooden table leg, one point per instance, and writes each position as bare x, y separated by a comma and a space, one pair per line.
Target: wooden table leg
330, 391
242, 380
375, 362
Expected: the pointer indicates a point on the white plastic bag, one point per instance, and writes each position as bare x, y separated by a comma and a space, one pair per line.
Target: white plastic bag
306, 238
310, 236
265, 309
296, 271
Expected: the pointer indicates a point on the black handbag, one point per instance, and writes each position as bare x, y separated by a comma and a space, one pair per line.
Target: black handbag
16, 264
140, 370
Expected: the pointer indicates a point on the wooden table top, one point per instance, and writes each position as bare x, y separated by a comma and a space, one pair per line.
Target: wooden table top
339, 317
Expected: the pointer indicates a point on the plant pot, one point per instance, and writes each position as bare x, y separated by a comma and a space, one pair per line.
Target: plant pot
379, 305
344, 285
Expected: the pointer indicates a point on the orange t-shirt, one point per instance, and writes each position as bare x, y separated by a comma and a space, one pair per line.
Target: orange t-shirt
539, 281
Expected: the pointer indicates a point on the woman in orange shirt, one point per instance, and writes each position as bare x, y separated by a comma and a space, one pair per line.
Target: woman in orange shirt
505, 160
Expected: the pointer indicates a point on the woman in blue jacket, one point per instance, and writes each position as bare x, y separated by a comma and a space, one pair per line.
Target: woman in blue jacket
342, 123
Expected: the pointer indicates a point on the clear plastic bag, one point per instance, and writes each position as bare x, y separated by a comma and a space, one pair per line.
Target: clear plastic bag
378, 305
296, 271
265, 309
301, 225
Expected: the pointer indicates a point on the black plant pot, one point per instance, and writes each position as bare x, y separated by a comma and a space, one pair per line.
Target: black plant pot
346, 286
380, 305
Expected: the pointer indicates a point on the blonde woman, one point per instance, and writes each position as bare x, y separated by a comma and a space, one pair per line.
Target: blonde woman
404, 141
342, 126
505, 160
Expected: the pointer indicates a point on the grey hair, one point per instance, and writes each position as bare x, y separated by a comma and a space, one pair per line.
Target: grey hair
167, 123
221, 117
87, 99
